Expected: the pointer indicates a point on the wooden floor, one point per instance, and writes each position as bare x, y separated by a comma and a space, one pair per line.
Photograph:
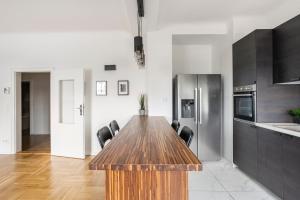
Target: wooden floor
36, 143
41, 177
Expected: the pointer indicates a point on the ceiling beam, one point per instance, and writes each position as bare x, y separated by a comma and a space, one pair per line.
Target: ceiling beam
131, 10
152, 10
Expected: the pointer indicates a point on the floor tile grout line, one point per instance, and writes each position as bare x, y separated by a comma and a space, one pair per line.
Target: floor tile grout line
216, 178
227, 191
238, 191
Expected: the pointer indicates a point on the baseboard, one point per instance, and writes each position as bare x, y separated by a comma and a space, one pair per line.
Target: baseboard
6, 153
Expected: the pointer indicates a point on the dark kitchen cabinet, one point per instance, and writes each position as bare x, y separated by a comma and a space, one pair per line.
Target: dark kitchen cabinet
291, 167
253, 63
245, 147
287, 51
270, 157
270, 154
244, 61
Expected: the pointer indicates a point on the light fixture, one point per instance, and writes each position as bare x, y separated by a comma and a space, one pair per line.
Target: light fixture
138, 40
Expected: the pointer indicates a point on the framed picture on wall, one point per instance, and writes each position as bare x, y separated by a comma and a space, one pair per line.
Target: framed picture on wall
101, 88
123, 87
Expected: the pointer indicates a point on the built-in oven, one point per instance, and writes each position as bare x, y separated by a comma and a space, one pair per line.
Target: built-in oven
245, 103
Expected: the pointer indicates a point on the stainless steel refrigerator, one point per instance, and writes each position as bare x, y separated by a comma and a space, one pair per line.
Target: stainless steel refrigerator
197, 104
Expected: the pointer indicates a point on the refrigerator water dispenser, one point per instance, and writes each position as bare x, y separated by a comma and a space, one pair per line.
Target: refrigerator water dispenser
187, 108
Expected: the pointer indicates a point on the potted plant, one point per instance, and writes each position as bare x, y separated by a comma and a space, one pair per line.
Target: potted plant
295, 113
142, 110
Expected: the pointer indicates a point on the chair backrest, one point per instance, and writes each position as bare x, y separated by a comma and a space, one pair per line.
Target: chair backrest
114, 127
187, 135
175, 125
103, 135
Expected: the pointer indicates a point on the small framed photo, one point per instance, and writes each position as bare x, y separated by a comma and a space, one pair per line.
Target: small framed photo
123, 87
101, 88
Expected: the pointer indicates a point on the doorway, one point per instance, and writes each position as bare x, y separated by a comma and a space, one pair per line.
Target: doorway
35, 113
56, 118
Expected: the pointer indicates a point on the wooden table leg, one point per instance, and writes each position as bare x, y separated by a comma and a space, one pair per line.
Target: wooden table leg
146, 185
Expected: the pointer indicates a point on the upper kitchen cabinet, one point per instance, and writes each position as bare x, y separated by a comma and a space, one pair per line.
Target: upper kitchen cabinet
244, 61
250, 54
287, 51
253, 63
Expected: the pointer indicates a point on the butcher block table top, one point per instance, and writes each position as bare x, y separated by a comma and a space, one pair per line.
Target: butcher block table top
146, 143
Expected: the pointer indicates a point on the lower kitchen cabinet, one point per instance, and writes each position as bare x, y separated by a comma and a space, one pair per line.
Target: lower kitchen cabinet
269, 165
291, 167
270, 157
245, 147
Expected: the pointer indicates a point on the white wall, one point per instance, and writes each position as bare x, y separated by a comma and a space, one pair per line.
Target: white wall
40, 102
159, 73
114, 107
90, 50
227, 104
225, 56
192, 59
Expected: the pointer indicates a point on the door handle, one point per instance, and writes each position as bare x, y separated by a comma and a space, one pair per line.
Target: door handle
80, 110
200, 105
196, 104
243, 95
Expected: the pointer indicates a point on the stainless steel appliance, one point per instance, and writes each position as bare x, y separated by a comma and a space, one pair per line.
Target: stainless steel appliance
244, 98
197, 104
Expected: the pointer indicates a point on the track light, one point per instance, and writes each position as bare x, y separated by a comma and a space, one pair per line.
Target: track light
138, 40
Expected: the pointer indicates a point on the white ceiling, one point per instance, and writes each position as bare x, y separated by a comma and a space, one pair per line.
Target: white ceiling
187, 11
94, 15
62, 15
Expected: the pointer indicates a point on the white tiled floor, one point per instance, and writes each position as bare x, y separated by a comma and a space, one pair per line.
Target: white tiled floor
220, 181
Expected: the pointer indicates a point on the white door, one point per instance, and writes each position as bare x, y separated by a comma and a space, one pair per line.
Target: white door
67, 113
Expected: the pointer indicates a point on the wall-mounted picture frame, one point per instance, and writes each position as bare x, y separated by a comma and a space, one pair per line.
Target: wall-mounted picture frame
101, 88
123, 87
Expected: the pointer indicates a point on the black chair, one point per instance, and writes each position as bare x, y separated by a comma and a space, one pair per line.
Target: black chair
103, 135
175, 125
187, 135
114, 127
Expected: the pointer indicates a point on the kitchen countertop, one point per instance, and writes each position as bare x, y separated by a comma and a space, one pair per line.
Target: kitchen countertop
146, 143
289, 128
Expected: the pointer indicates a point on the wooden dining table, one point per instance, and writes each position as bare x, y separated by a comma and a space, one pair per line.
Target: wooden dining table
147, 160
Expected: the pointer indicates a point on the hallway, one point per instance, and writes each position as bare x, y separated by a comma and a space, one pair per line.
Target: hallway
36, 143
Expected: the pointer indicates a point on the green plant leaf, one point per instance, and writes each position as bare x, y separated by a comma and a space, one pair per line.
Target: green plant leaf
295, 112
142, 102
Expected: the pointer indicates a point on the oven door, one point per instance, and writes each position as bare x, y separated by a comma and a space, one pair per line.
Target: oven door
245, 106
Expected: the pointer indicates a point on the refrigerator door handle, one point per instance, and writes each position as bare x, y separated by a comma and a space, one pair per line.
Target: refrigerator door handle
200, 105
196, 104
